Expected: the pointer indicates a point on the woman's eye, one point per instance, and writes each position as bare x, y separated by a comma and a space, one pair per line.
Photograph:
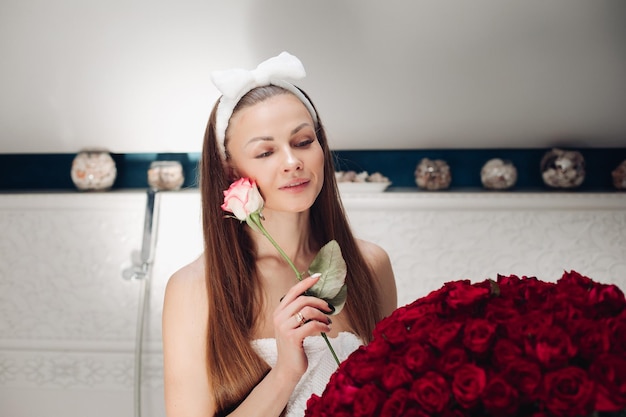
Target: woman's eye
264, 154
304, 143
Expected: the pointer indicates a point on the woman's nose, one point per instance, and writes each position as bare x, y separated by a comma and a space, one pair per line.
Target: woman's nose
292, 162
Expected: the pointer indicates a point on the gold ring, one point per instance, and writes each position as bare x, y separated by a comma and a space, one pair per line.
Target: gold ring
300, 318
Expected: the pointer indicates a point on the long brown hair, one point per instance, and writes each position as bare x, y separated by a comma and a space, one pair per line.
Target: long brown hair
232, 282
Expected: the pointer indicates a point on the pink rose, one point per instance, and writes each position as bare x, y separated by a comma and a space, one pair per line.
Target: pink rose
242, 199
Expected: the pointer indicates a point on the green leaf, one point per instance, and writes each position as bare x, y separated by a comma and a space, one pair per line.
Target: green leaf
339, 300
332, 266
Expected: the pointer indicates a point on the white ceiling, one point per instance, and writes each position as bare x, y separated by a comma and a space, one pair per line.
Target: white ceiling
133, 76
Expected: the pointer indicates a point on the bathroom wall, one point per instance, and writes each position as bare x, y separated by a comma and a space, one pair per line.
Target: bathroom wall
67, 318
133, 76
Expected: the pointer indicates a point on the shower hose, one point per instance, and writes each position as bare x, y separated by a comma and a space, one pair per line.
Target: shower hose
141, 271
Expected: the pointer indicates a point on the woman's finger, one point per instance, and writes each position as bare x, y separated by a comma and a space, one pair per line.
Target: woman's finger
300, 288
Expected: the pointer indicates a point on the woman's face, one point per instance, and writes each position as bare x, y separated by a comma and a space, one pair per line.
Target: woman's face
274, 143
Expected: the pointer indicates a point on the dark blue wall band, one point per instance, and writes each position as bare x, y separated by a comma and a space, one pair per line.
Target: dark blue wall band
41, 172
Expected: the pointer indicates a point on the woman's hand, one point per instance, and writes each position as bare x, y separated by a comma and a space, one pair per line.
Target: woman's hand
296, 317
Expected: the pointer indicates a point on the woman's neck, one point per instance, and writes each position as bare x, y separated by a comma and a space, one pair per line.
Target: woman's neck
291, 231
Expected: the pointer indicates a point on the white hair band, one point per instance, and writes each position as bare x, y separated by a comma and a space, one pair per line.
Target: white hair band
235, 83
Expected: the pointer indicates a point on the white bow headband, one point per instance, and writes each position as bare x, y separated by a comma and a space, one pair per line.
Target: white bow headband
235, 83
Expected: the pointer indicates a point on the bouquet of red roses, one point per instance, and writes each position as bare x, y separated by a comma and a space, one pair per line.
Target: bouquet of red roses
511, 347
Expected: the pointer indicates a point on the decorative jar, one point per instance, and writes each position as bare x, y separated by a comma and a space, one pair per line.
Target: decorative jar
619, 176
433, 174
93, 170
498, 174
562, 168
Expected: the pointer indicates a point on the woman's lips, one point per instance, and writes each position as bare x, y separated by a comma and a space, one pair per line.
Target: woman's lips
295, 185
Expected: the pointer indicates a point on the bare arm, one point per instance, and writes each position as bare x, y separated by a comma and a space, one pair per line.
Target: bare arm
187, 387
186, 379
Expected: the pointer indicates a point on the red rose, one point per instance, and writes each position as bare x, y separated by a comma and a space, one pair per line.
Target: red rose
418, 359
313, 406
378, 348
500, 398
518, 347
609, 373
505, 351
510, 280
573, 279
396, 376
524, 375
340, 391
535, 292
463, 293
420, 329
363, 368
607, 300
527, 326
617, 326
415, 412
478, 335
577, 288
394, 332
368, 400
395, 405
501, 310
568, 392
592, 337
451, 359
552, 347
562, 308
417, 312
468, 385
443, 333
451, 413
431, 392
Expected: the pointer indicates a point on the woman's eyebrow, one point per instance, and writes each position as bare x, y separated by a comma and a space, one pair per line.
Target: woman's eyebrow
257, 139
270, 138
300, 127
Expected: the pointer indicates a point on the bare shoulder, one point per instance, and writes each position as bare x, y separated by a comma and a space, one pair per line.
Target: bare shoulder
185, 295
187, 285
190, 275
185, 311
380, 264
373, 254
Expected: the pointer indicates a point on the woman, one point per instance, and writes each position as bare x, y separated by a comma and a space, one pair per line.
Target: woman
240, 338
